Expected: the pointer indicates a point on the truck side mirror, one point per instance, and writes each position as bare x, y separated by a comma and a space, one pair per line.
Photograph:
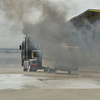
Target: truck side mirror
20, 47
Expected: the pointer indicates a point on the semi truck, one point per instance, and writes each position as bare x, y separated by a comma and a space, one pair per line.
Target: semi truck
31, 56
35, 56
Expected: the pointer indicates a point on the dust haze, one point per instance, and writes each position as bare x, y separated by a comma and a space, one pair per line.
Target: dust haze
52, 29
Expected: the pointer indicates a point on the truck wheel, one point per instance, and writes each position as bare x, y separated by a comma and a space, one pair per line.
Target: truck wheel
49, 70
45, 69
25, 69
33, 69
69, 72
53, 70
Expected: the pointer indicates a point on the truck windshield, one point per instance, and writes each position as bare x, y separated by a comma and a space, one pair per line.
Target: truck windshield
37, 54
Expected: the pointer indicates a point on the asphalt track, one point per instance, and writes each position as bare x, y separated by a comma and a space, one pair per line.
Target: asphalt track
18, 85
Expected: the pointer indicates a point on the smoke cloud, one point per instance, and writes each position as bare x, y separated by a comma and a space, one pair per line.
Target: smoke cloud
51, 29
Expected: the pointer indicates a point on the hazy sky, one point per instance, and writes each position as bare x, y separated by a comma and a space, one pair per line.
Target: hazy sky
12, 36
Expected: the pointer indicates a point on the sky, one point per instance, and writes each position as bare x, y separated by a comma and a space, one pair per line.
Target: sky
11, 30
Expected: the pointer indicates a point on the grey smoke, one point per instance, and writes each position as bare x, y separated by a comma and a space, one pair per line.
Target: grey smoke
52, 29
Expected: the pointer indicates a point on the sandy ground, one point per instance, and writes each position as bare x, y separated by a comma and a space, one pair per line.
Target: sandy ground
18, 85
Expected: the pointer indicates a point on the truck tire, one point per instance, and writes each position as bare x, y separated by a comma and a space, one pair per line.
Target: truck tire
49, 70
53, 70
25, 69
69, 72
33, 69
46, 69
